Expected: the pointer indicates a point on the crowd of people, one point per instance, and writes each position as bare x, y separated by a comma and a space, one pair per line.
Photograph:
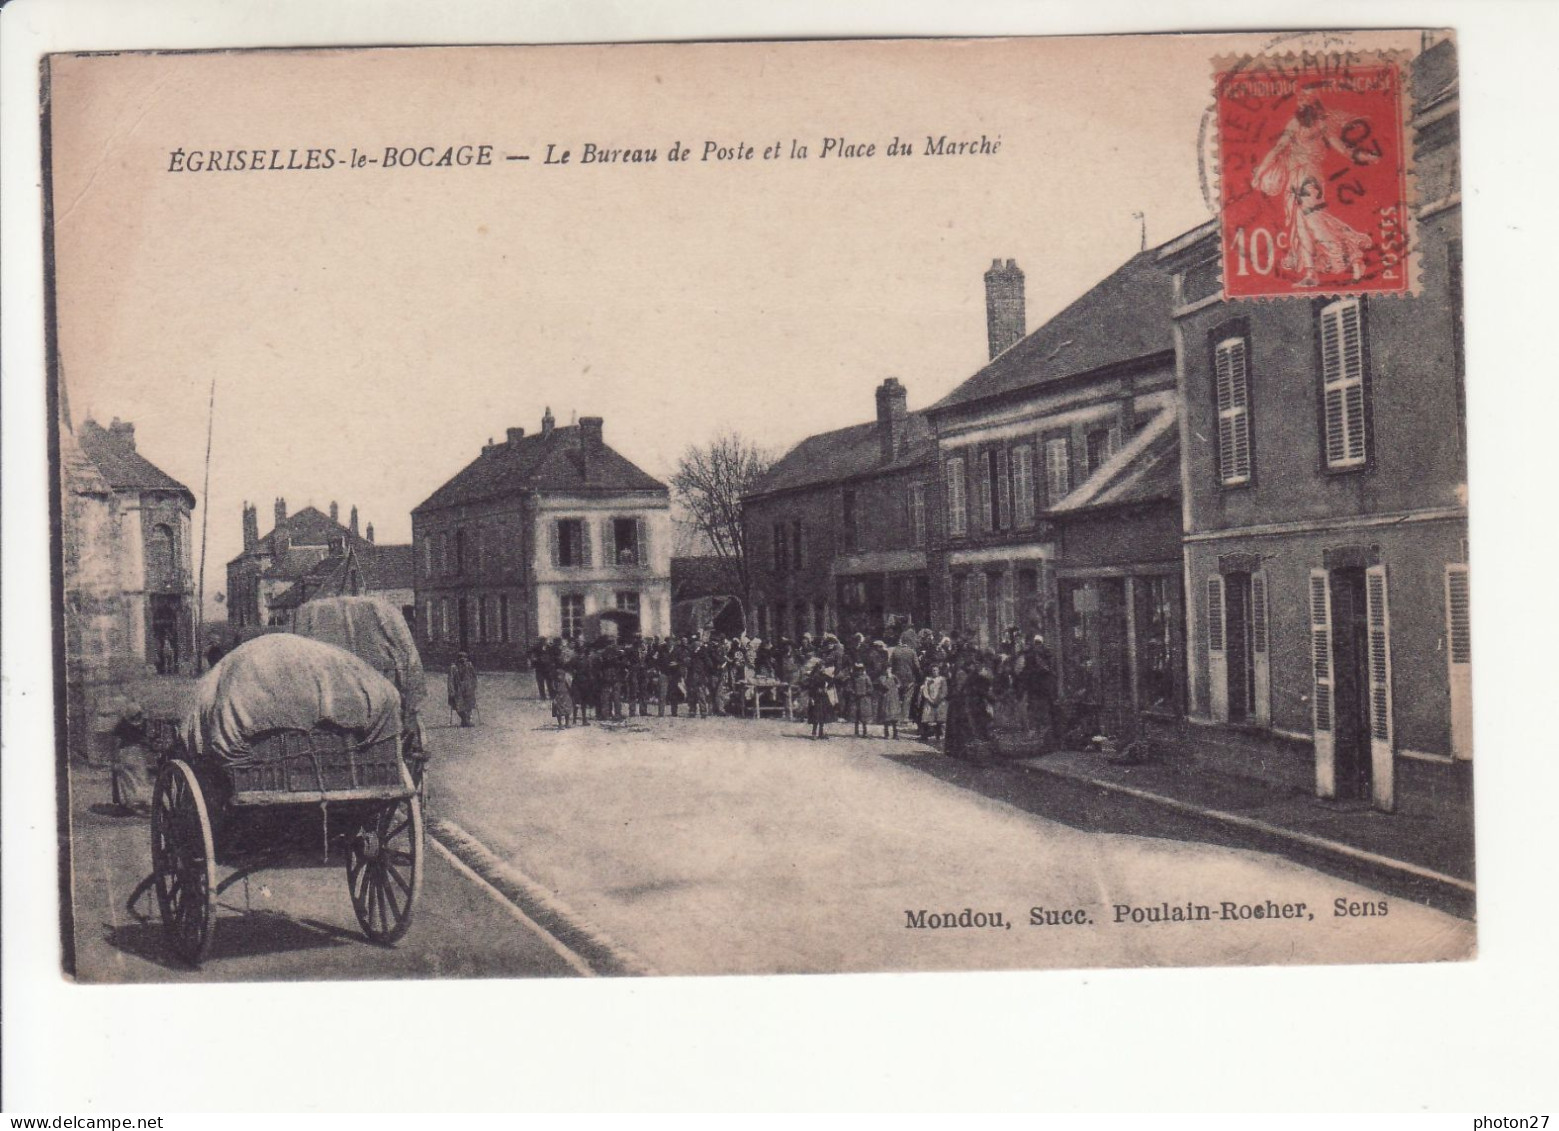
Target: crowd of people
934, 686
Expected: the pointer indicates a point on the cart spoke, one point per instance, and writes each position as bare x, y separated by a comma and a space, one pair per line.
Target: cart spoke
394, 873
393, 910
393, 833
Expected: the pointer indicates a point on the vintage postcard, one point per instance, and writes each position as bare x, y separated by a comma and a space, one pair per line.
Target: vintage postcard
760, 507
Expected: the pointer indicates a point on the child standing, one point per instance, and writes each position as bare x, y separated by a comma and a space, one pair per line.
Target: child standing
933, 697
861, 700
816, 680
888, 706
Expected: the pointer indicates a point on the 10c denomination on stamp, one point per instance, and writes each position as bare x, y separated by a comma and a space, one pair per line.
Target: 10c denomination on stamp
1313, 193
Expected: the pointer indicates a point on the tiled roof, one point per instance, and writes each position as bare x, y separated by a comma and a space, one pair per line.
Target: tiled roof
540, 462
1123, 317
122, 466
295, 563
846, 453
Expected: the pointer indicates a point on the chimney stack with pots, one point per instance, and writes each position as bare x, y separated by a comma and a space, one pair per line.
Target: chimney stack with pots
370, 532
352, 522
124, 432
251, 528
547, 422
1005, 308
335, 512
590, 443
281, 512
892, 417
515, 436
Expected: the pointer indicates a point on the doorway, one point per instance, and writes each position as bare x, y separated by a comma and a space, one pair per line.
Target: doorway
1350, 674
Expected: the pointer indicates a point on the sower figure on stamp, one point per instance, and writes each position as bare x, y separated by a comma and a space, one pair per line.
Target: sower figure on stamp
1319, 241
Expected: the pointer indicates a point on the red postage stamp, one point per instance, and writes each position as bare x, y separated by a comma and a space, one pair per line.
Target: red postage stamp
1313, 194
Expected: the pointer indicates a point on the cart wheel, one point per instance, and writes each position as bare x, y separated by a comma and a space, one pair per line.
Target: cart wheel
183, 861
384, 870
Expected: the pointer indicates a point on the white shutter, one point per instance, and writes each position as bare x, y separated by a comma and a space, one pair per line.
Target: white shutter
1217, 656
1233, 382
1260, 651
983, 490
1321, 705
1382, 739
552, 541
957, 510
584, 542
1003, 491
1342, 370
1458, 653
608, 542
643, 538
1008, 606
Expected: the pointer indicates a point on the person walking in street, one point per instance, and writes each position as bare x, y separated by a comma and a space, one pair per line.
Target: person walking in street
462, 688
815, 680
562, 699
541, 664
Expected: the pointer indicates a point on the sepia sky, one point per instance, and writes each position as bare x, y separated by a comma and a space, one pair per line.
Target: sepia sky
369, 329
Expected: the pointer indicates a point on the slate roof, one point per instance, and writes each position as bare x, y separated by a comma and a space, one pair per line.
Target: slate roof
846, 453
539, 462
381, 567
1123, 317
122, 466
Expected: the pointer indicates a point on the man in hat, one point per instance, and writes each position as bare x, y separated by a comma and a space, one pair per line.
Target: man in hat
462, 688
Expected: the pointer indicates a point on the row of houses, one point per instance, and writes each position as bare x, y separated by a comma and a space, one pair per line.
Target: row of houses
1240, 523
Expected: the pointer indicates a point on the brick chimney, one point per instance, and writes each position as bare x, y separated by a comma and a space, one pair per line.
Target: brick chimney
124, 432
352, 522
335, 512
515, 435
281, 512
1005, 316
590, 443
892, 414
547, 423
370, 532
251, 528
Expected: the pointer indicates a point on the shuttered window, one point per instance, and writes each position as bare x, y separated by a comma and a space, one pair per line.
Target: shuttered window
986, 478
1458, 617
1258, 612
957, 500
1378, 615
917, 514
1001, 473
1023, 485
1215, 613
1321, 648
798, 551
1058, 469
1342, 375
1232, 380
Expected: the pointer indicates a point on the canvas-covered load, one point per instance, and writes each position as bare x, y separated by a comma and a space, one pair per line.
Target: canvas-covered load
375, 632
286, 682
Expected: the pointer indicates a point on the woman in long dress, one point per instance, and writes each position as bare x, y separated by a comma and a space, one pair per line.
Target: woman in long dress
1319, 241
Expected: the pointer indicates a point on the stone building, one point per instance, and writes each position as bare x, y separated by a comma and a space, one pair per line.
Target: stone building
836, 532
130, 576
1056, 492
270, 566
1326, 529
551, 534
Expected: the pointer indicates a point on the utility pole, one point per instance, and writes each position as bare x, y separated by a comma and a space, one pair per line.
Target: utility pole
205, 522
1142, 220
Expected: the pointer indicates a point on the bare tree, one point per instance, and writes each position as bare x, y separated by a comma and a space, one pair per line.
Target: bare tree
708, 485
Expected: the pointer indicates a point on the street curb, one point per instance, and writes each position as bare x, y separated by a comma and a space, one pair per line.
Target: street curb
599, 951
1450, 892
